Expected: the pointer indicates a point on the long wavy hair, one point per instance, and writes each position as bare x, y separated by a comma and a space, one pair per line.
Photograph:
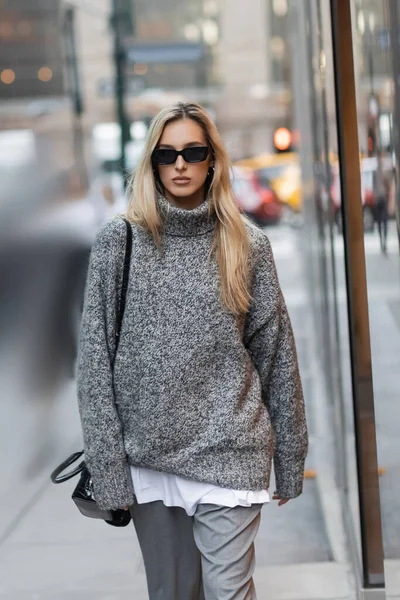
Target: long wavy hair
230, 242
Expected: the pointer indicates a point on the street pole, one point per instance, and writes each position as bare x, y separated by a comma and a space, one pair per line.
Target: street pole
75, 91
120, 62
73, 62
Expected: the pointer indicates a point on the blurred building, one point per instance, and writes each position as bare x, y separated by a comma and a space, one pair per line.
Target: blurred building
254, 57
371, 32
232, 58
31, 61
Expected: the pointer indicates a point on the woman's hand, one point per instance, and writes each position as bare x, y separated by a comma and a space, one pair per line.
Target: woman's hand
125, 508
282, 501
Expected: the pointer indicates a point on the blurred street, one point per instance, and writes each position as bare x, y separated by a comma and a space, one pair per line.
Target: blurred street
48, 551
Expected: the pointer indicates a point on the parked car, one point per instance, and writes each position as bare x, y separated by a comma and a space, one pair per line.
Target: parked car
284, 175
255, 196
272, 208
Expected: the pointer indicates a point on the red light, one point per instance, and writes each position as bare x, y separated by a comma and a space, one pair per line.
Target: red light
282, 138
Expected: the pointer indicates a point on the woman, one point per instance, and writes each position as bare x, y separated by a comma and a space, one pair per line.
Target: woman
205, 387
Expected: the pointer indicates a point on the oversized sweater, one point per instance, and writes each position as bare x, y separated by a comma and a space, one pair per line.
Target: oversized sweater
192, 390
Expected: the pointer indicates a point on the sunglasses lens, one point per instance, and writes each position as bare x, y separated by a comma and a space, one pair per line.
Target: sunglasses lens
167, 156
164, 156
195, 154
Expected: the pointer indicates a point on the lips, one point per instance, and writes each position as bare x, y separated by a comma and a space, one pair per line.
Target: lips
181, 180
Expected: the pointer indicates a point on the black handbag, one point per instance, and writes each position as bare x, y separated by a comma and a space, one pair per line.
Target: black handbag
83, 494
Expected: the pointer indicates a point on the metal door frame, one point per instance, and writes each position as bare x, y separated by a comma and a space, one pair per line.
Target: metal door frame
356, 283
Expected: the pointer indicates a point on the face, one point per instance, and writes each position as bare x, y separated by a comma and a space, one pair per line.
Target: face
184, 181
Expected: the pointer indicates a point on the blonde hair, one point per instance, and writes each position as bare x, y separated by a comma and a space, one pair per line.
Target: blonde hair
230, 243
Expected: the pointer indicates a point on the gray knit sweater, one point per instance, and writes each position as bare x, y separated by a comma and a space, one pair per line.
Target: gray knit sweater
194, 390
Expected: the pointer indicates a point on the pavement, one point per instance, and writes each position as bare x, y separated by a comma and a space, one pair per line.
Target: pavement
48, 551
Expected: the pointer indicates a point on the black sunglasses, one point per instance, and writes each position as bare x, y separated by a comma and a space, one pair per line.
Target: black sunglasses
168, 156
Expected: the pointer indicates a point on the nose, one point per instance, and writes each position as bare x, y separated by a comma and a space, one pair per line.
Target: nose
180, 164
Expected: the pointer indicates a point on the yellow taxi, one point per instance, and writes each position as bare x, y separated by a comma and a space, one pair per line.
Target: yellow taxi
283, 172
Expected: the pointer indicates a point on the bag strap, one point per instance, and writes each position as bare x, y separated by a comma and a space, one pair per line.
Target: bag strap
125, 280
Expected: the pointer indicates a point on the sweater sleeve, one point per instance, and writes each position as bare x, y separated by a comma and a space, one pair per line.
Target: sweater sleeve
103, 439
270, 342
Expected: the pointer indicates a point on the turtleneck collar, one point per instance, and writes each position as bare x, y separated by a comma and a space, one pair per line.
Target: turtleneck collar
186, 223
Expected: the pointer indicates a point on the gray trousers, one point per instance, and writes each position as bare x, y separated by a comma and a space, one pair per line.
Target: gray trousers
209, 556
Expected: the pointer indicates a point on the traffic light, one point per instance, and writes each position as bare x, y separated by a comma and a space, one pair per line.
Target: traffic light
283, 138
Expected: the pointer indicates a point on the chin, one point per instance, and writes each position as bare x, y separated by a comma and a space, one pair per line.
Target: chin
183, 192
